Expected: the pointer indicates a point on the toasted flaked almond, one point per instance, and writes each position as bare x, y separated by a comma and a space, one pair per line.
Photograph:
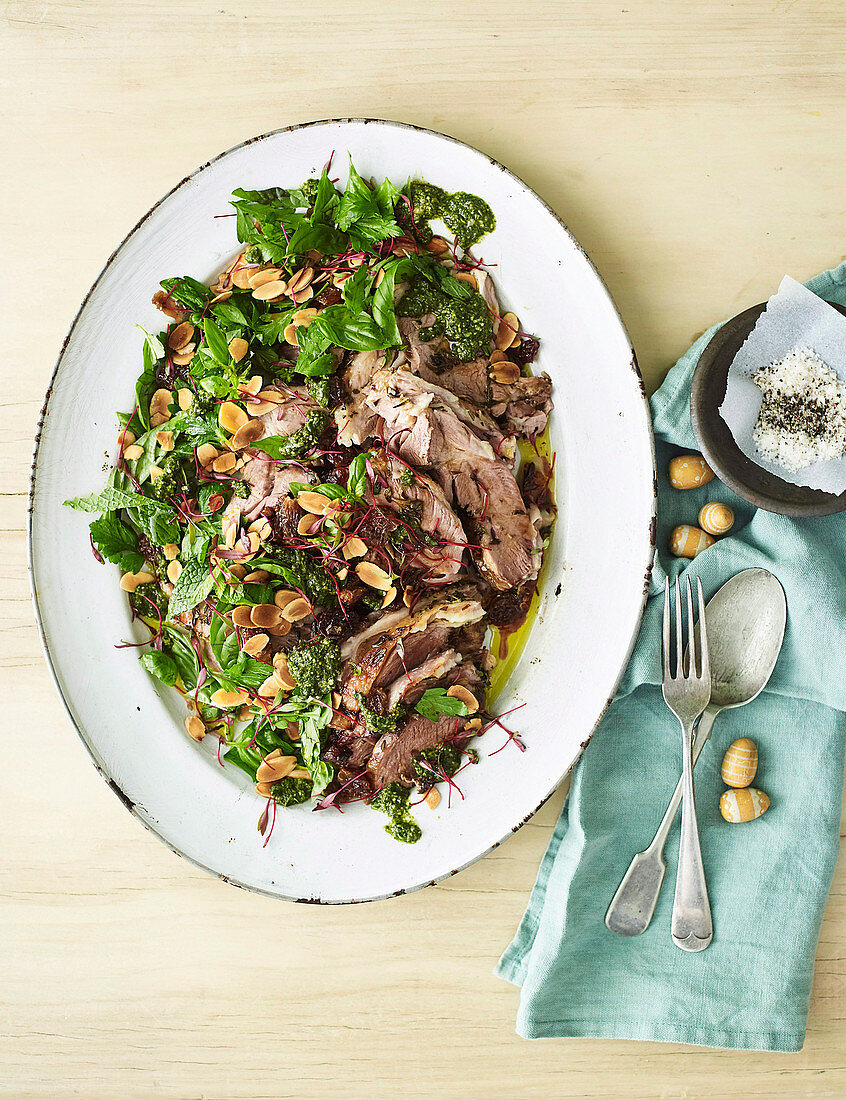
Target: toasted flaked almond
505, 372
308, 524
194, 727
252, 542
184, 358
270, 687
230, 533
466, 277
473, 724
300, 773
224, 296
373, 575
252, 385
380, 275
155, 472
267, 291
184, 398
125, 438
237, 570
160, 407
266, 616
238, 348
231, 417
170, 550
291, 335
272, 397
173, 571
303, 317
340, 278
264, 790
498, 356
300, 280
316, 503
342, 573
507, 332
296, 610
207, 453
165, 440
259, 408
283, 596
132, 452
282, 672
408, 597
458, 691
404, 248
433, 797
224, 698
258, 576
241, 273
253, 646
437, 245
275, 766
241, 615
250, 433
354, 548
130, 581
263, 275
390, 596
262, 528
180, 336
224, 463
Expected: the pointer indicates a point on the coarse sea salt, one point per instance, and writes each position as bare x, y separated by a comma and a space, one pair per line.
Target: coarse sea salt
802, 419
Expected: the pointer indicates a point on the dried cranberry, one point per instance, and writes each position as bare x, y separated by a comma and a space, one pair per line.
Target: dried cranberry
524, 352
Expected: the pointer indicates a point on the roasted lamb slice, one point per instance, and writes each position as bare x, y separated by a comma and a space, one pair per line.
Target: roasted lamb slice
355, 420
290, 415
408, 687
523, 408
269, 483
433, 362
392, 759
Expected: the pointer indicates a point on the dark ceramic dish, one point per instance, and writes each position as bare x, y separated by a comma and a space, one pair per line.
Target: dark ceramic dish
725, 458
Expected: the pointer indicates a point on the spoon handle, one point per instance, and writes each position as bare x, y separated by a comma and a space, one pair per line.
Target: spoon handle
634, 903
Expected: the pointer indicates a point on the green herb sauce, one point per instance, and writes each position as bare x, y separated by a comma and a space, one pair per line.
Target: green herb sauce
442, 758
299, 571
379, 724
315, 667
466, 322
469, 217
291, 792
393, 801
297, 443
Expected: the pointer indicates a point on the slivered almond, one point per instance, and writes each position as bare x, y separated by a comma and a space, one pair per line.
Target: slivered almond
173, 571
340, 278
342, 573
253, 385
379, 277
437, 245
267, 291
165, 440
184, 398
272, 397
473, 724
275, 766
230, 533
170, 550
373, 576
433, 797
224, 698
194, 727
238, 348
224, 463
231, 417
498, 357
132, 452
239, 571
270, 687
207, 453
180, 336
224, 296
264, 790
258, 576
505, 372
262, 528
291, 335
300, 280
283, 596
296, 610
184, 358
308, 525
507, 332
282, 672
316, 503
303, 317
241, 615
251, 432
263, 275
125, 438
466, 277
300, 773
354, 548
266, 616
253, 646
390, 596
458, 691
130, 581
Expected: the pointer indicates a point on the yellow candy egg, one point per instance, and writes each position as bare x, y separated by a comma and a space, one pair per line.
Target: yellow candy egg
716, 518
740, 763
743, 805
689, 472
687, 542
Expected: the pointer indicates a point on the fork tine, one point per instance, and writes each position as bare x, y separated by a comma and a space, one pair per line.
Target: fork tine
679, 634
666, 631
704, 659
691, 633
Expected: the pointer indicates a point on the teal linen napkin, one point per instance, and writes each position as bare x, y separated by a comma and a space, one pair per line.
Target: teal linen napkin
768, 879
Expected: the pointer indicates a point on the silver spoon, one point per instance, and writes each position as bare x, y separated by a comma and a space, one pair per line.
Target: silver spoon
745, 620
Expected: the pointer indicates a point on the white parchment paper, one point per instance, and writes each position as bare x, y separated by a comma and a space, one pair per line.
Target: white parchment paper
794, 318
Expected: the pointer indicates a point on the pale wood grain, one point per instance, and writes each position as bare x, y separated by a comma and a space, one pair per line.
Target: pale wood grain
698, 152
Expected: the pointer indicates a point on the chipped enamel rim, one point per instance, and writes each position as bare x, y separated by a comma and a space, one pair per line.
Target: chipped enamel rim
643, 542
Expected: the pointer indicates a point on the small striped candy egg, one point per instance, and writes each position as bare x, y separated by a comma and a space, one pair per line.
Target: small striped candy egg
687, 542
716, 518
689, 472
743, 805
740, 763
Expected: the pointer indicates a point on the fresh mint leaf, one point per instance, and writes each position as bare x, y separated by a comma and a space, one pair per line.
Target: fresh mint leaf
117, 542
111, 499
435, 702
194, 584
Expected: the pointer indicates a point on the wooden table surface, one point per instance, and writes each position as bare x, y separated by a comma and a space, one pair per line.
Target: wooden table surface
698, 152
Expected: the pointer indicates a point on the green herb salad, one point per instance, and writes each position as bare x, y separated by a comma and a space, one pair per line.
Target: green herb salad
330, 492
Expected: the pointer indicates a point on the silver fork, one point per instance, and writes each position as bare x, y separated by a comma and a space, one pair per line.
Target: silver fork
687, 694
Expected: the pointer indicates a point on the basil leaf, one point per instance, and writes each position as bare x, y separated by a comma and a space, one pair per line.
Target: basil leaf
435, 702
183, 655
357, 477
310, 747
161, 666
188, 292
328, 489
117, 542
194, 584
216, 341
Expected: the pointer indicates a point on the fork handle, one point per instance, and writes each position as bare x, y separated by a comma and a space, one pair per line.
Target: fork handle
692, 929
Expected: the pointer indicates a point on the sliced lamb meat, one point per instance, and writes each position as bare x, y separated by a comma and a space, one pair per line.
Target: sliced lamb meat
380, 625
392, 759
355, 420
486, 288
411, 685
433, 362
524, 407
470, 473
269, 482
